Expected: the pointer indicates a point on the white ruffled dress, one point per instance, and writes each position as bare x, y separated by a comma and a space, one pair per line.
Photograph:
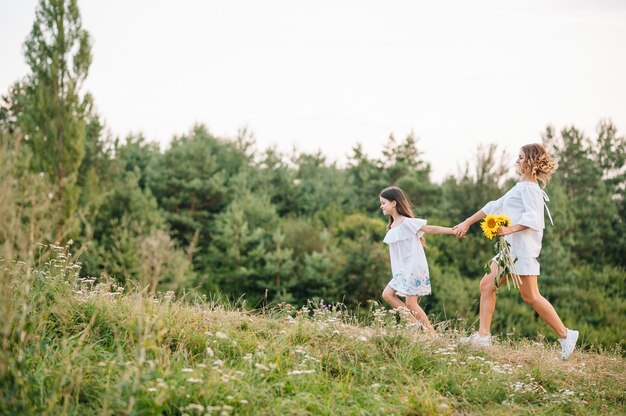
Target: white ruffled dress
409, 269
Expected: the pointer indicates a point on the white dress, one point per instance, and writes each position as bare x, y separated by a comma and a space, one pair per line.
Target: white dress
409, 269
524, 205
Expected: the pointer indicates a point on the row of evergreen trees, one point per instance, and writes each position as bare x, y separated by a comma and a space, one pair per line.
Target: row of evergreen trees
218, 215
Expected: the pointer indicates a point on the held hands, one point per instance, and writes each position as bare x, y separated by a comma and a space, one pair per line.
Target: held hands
461, 229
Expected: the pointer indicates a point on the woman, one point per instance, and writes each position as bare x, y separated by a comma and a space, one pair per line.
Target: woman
524, 205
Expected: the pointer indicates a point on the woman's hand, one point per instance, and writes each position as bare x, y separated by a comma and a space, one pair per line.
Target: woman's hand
505, 230
461, 229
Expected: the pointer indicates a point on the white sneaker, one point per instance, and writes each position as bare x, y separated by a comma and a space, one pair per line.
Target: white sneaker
477, 340
568, 344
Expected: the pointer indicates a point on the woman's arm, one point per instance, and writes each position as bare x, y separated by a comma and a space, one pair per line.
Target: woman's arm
436, 229
491, 207
461, 229
515, 228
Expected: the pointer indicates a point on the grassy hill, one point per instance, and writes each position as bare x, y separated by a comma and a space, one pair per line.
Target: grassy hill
73, 347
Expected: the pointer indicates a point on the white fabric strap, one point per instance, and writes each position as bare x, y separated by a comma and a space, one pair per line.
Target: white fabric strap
546, 199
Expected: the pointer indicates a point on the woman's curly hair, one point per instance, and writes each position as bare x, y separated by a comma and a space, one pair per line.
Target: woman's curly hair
538, 163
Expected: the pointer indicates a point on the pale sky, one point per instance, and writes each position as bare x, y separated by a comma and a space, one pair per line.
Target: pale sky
328, 74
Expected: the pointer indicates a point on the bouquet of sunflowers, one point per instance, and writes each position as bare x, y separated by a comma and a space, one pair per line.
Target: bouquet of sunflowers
490, 225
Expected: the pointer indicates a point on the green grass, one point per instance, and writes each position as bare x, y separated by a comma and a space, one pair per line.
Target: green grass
73, 349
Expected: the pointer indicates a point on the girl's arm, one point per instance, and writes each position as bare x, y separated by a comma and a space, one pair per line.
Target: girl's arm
436, 229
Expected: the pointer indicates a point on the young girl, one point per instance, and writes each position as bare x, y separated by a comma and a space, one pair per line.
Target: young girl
409, 270
524, 205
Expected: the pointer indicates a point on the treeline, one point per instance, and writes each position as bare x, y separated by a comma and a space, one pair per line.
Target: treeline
220, 217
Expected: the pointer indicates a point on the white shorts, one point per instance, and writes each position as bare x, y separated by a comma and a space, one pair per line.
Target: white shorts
524, 266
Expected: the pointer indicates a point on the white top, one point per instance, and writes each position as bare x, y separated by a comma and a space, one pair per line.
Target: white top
523, 204
405, 249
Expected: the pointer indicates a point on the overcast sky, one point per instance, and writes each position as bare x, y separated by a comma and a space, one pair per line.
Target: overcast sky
328, 74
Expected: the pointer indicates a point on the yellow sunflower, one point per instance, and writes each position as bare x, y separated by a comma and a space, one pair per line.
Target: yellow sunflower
490, 226
503, 220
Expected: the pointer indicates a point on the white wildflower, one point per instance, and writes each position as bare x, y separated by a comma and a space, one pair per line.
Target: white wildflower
261, 367
296, 372
195, 406
194, 380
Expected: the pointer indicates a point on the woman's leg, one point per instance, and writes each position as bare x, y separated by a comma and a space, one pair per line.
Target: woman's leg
390, 297
530, 294
488, 299
418, 312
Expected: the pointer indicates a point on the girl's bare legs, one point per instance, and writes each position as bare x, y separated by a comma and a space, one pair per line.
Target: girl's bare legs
530, 294
414, 307
390, 297
417, 314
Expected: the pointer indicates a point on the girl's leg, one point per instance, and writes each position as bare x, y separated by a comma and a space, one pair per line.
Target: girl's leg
488, 299
530, 294
390, 297
418, 312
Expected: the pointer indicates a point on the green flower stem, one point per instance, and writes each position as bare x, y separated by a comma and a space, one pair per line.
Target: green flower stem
507, 264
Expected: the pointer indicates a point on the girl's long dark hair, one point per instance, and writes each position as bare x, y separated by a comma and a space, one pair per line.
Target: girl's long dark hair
403, 204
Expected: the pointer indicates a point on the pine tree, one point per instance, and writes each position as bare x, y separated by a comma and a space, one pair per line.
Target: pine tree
54, 112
